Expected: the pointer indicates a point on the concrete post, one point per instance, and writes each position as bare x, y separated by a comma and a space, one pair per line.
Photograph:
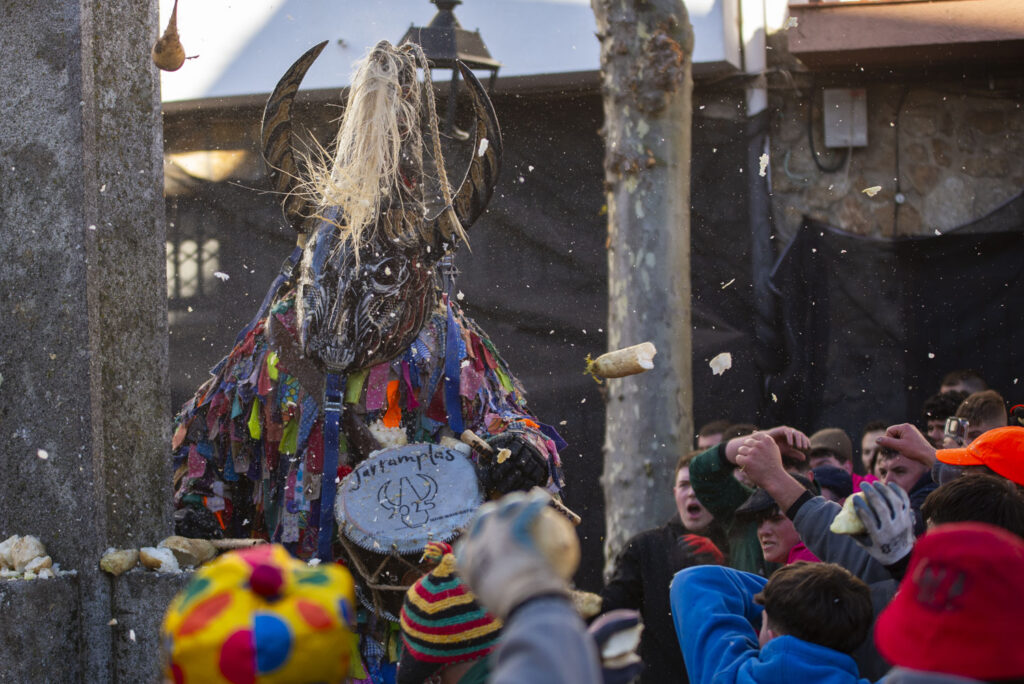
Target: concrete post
83, 348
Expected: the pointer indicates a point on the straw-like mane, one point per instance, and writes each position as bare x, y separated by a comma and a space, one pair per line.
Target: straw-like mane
375, 165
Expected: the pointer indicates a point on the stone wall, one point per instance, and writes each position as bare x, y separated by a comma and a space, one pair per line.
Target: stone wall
952, 148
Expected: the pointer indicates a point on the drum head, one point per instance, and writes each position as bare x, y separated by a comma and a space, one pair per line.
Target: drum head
399, 499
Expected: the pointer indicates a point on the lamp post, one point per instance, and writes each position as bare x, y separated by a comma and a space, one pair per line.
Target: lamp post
444, 41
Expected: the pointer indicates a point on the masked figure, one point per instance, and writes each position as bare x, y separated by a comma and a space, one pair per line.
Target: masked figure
356, 348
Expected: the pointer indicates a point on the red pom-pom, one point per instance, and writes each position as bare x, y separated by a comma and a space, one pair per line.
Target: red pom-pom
266, 580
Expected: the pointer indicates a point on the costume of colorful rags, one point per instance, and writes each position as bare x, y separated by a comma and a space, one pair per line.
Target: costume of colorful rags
356, 349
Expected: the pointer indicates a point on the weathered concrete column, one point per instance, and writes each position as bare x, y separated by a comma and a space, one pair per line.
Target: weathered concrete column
83, 348
646, 60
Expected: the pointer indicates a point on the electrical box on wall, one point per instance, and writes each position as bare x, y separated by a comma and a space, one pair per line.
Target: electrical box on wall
846, 117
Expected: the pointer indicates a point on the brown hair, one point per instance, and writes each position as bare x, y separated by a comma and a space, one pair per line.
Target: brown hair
983, 407
968, 377
684, 462
977, 497
818, 602
941, 406
738, 430
713, 428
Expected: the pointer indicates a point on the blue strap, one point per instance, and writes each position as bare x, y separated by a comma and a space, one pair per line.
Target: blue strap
306, 421
334, 391
452, 374
286, 272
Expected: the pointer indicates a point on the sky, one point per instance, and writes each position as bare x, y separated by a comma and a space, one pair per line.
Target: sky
241, 47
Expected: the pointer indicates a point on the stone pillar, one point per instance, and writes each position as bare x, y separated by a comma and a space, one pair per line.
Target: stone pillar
84, 406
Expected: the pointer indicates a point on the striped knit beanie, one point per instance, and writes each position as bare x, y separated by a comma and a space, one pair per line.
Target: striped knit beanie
442, 624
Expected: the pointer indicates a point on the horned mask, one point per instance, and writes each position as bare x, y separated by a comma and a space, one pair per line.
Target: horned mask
367, 278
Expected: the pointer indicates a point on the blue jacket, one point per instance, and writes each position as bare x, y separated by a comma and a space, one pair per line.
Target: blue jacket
715, 616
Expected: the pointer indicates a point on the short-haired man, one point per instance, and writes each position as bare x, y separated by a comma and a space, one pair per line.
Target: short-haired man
869, 449
963, 380
934, 412
711, 433
832, 447
798, 626
645, 567
914, 477
999, 451
983, 411
977, 497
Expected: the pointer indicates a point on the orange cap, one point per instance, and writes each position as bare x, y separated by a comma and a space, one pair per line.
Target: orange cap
1001, 449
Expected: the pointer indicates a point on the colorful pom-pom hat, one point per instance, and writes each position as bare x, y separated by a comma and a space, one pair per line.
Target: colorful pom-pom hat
441, 622
261, 616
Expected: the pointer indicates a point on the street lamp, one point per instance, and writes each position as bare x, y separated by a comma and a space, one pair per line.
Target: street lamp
443, 41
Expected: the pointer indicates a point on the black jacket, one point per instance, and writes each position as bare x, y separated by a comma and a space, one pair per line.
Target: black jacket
643, 572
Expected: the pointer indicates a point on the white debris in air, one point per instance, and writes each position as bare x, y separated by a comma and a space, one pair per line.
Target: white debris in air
131, 634
483, 147
41, 453
725, 285
792, 22
775, 398
387, 270
583, 401
221, 275
113, 621
931, 355
460, 295
872, 191
721, 363
530, 168
938, 232
762, 162
563, 422
313, 562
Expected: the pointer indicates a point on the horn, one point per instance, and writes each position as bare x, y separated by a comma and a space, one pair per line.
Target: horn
482, 175
276, 137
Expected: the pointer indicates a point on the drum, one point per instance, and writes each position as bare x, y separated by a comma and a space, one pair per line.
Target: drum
391, 505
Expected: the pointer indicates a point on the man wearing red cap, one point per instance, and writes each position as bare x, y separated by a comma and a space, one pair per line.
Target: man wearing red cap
957, 615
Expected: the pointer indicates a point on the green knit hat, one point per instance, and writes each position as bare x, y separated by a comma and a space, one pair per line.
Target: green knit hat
442, 624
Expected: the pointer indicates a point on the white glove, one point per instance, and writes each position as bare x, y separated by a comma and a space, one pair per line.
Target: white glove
499, 558
886, 513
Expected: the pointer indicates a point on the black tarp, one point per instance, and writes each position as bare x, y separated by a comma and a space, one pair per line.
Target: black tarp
869, 326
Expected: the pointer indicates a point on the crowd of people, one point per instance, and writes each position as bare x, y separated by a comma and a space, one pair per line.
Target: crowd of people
752, 581
790, 559
912, 595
